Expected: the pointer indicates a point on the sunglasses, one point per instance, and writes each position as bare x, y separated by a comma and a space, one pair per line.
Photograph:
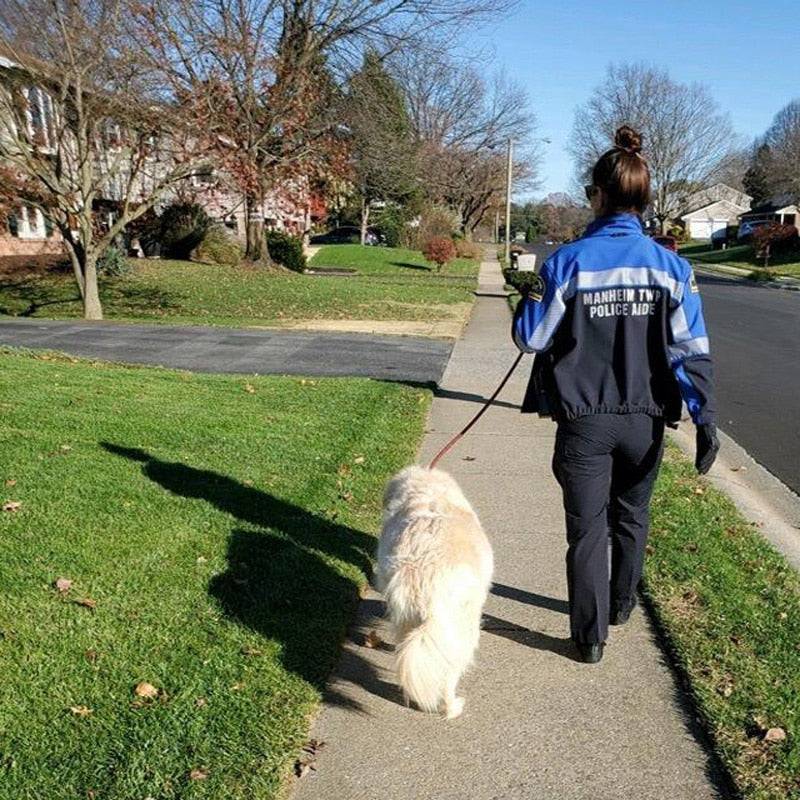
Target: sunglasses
590, 190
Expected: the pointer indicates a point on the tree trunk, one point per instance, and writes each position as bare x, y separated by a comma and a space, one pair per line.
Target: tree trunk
254, 229
364, 220
254, 249
91, 298
77, 270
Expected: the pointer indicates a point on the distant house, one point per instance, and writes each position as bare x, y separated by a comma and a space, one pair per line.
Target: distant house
713, 209
290, 206
779, 210
26, 231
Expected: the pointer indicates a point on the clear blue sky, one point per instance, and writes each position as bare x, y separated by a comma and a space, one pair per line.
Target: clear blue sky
746, 54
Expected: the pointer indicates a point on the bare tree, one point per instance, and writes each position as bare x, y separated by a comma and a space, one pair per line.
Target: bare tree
78, 126
685, 135
463, 127
261, 73
782, 153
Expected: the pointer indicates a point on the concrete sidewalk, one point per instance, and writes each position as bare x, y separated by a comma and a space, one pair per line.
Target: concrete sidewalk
537, 724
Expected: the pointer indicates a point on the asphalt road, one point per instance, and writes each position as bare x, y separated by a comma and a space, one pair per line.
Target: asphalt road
410, 359
755, 342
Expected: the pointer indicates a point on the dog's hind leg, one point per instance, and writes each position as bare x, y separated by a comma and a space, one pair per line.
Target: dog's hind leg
452, 706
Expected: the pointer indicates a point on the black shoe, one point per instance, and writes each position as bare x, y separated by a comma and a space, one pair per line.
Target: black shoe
619, 616
590, 652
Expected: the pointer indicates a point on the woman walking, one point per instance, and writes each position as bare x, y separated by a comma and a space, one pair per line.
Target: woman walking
617, 325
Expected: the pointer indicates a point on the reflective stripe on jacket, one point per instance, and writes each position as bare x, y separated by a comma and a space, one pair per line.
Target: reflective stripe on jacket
621, 320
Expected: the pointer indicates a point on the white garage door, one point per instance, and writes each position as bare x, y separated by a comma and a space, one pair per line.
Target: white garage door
701, 228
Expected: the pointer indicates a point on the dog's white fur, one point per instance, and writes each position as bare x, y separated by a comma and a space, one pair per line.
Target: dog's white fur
434, 569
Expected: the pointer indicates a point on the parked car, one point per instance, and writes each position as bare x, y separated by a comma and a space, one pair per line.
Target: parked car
724, 237
667, 241
749, 227
347, 234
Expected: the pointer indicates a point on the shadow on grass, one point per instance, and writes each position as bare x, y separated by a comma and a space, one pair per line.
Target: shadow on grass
33, 294
141, 298
279, 580
409, 265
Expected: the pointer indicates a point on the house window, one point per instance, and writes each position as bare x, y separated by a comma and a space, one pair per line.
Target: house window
788, 219
29, 223
41, 118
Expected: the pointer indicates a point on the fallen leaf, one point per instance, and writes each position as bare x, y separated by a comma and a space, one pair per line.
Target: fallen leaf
91, 656
146, 690
691, 547
64, 448
201, 702
201, 559
251, 651
735, 639
649, 549
63, 585
358, 460
87, 602
699, 490
347, 497
249, 389
11, 482
237, 687
468, 458
80, 711
372, 640
302, 768
775, 735
738, 469
198, 775
12, 505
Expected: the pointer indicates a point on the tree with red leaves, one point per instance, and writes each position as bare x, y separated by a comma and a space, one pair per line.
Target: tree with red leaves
264, 76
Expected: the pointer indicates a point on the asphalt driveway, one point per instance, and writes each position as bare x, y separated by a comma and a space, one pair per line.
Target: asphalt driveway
410, 359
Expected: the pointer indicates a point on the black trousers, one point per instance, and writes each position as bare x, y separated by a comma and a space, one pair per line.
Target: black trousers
606, 465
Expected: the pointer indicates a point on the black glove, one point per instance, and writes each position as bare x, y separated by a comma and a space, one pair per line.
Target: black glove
707, 447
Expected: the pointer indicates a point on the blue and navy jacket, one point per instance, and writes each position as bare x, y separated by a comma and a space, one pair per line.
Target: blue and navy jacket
619, 320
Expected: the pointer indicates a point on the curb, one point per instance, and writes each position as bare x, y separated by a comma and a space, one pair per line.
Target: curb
736, 273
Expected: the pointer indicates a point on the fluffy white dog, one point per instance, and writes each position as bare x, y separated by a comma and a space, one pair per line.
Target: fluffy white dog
434, 569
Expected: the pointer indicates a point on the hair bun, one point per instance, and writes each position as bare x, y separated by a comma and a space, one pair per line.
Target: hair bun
626, 138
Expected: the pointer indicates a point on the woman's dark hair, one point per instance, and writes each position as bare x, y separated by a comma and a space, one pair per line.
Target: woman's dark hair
622, 173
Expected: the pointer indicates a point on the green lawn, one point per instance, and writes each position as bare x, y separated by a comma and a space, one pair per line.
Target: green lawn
742, 256
189, 293
216, 531
730, 606
389, 261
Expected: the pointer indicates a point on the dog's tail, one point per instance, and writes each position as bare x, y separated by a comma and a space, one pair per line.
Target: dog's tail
426, 656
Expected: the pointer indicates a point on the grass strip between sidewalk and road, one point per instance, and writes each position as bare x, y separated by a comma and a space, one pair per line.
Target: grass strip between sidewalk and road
389, 284
743, 257
181, 557
729, 606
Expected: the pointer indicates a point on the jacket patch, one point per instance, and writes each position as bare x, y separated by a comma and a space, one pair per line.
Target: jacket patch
538, 288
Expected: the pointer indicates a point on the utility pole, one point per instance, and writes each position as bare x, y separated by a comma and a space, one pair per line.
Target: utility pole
509, 167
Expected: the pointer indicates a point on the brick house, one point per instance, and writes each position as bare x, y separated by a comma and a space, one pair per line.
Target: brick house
290, 206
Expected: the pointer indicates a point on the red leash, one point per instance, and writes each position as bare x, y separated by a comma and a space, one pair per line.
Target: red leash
460, 435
